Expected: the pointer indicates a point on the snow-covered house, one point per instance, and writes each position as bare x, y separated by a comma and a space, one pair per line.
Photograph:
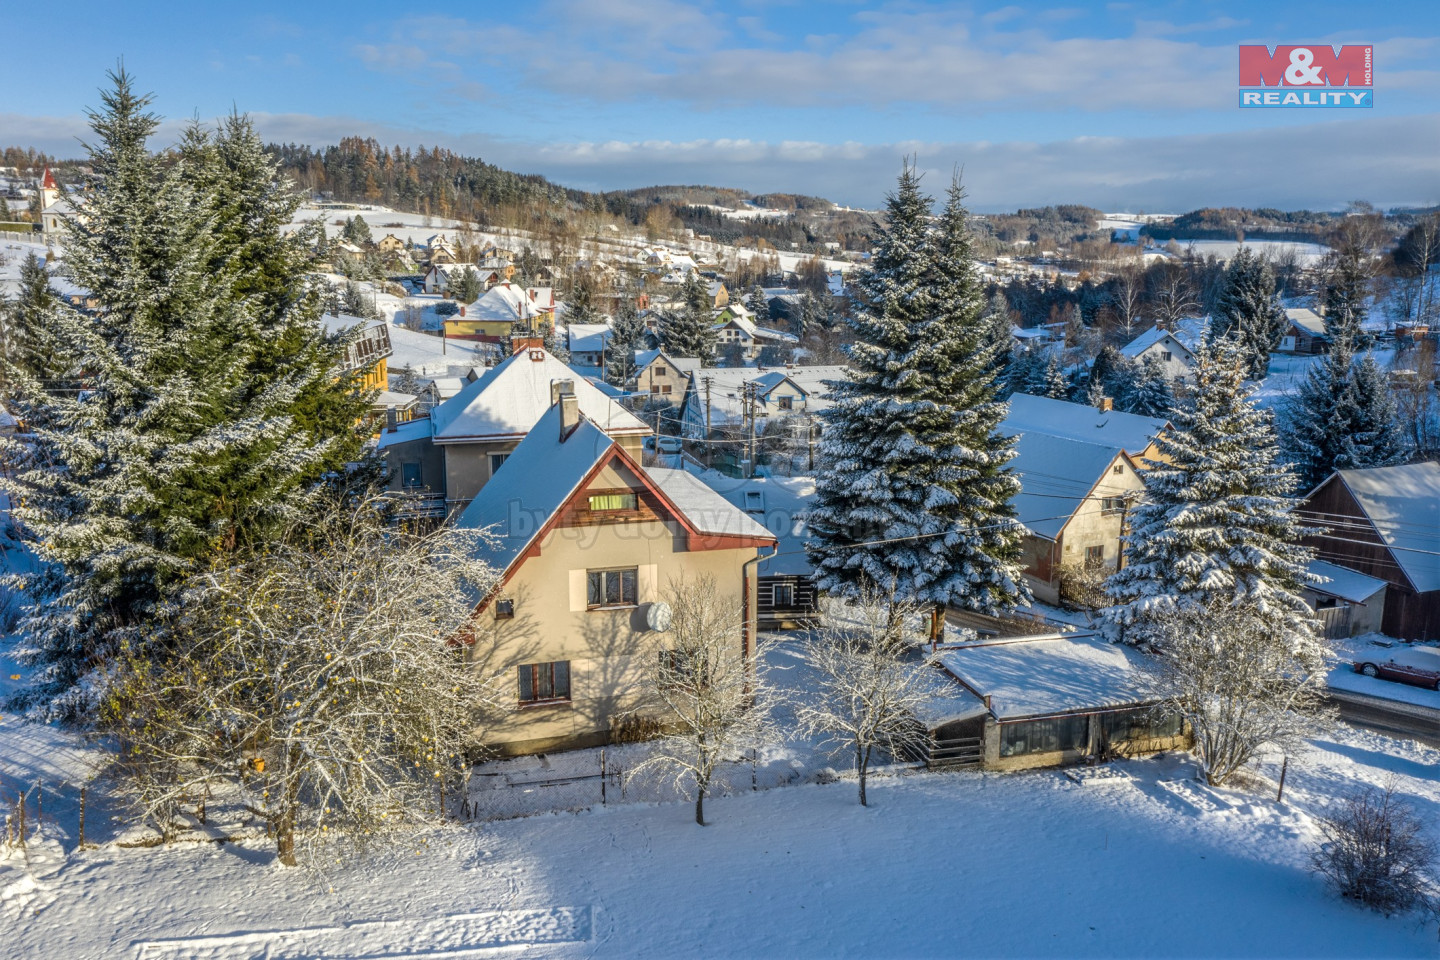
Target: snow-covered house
477, 429
586, 541
1176, 359
389, 244
1384, 522
1047, 701
1073, 499
495, 313
1304, 332
661, 375
786, 594
586, 343
1131, 432
368, 352
716, 396
440, 251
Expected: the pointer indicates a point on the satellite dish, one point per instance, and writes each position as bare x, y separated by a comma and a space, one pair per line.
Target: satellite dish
658, 616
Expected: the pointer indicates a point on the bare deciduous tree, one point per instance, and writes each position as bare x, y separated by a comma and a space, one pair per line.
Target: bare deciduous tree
869, 684
1241, 681
318, 684
1376, 851
709, 697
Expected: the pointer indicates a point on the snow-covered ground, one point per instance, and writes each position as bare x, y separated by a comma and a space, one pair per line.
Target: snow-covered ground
1148, 864
1308, 254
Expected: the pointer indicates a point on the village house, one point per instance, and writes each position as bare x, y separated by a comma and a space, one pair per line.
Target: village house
467, 438
715, 397
587, 543
499, 310
661, 375
390, 244
1304, 332
1176, 359
1131, 432
586, 343
1384, 522
439, 250
1073, 499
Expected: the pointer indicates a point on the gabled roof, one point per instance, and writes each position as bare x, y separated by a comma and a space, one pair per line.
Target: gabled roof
643, 359
1056, 474
1307, 320
534, 482
1078, 421
1148, 339
1403, 504
767, 382
544, 472
706, 510
780, 504
503, 303
587, 337
510, 398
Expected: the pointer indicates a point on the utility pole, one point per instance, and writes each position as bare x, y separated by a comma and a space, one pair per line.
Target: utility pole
707, 380
750, 435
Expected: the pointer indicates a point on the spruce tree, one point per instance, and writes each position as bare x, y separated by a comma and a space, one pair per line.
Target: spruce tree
915, 499
1053, 383
581, 306
757, 303
627, 334
690, 331
1248, 311
1342, 418
28, 342
187, 440
1150, 394
465, 286
1215, 526
1347, 289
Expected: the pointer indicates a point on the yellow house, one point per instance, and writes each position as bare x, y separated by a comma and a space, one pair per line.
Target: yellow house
368, 354
390, 244
492, 316
586, 542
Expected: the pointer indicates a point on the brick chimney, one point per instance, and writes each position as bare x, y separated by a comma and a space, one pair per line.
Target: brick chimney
529, 343
1106, 404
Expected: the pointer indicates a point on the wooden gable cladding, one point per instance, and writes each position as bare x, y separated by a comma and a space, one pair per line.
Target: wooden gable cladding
1356, 545
577, 513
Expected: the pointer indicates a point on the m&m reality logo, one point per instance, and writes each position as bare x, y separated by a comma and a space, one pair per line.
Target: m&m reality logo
1315, 75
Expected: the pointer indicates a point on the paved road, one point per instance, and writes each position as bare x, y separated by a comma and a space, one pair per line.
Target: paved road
1388, 716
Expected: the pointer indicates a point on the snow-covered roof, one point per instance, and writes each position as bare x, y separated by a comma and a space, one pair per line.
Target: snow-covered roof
779, 503
511, 397
545, 470
1346, 584
727, 384
1078, 421
1149, 339
707, 511
1055, 474
405, 432
587, 337
1052, 675
1307, 320
643, 359
1404, 505
503, 303
535, 481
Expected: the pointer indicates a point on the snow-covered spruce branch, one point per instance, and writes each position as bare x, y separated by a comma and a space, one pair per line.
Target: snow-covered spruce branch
319, 680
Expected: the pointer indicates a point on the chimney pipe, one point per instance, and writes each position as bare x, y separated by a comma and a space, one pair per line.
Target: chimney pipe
561, 388
569, 415
392, 420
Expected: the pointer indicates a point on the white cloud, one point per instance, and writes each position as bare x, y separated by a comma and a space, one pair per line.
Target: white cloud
1388, 160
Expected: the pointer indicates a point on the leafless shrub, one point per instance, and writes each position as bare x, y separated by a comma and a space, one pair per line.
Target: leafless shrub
868, 689
1376, 851
708, 696
317, 682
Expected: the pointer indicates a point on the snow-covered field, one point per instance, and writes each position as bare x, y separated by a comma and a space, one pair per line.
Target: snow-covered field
1150, 864
1308, 254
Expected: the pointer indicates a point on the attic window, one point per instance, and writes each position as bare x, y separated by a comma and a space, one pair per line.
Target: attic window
614, 501
1118, 468
505, 608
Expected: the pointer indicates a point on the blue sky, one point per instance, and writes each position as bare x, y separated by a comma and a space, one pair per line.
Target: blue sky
1120, 105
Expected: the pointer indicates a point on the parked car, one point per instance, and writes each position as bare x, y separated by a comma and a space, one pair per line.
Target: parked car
1415, 665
